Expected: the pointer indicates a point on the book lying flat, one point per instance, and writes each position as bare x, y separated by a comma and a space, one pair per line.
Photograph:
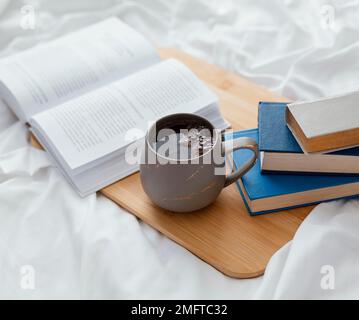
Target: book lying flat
264, 193
325, 125
280, 152
89, 94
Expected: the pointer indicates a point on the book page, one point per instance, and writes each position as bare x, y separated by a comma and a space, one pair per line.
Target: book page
52, 73
96, 124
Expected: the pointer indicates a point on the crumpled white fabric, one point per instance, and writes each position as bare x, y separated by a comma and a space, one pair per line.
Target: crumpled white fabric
90, 248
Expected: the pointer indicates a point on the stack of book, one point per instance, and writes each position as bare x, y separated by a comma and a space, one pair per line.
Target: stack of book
309, 153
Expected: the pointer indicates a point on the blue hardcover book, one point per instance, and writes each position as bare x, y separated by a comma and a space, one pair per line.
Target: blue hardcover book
264, 193
280, 152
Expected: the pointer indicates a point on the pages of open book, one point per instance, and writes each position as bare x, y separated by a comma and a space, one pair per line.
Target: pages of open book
55, 72
100, 123
86, 94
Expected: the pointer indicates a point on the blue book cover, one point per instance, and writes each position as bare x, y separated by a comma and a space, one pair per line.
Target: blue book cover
264, 193
274, 135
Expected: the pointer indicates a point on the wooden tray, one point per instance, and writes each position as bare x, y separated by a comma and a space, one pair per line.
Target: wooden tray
223, 235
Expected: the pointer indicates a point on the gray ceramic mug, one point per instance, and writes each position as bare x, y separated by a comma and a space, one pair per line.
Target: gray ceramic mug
184, 185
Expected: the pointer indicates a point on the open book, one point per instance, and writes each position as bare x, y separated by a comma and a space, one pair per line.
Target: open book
88, 94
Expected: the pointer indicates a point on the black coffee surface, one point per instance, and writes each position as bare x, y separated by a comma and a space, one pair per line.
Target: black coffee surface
186, 144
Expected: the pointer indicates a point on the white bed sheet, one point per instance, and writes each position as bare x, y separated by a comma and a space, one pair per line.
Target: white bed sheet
91, 248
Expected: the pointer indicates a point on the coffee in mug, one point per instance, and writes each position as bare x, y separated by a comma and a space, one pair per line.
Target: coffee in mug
183, 162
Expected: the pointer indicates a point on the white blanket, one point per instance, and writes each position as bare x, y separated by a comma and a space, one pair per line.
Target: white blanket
55, 245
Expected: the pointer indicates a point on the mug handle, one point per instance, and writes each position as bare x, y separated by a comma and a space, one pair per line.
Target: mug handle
240, 143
